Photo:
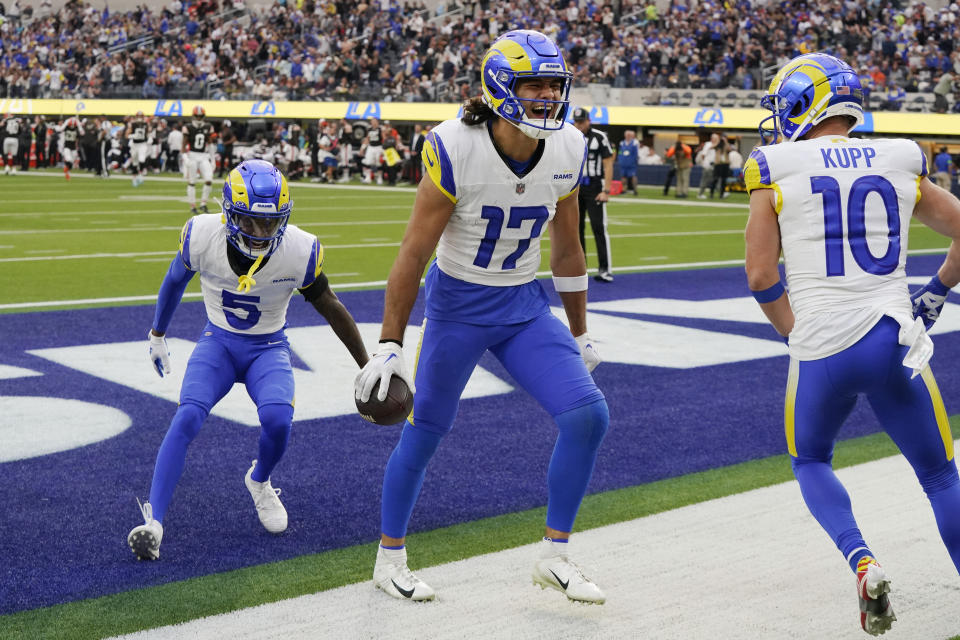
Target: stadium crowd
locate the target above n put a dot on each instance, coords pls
(393, 51)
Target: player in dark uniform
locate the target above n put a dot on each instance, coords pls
(137, 134)
(196, 136)
(70, 135)
(346, 149)
(40, 132)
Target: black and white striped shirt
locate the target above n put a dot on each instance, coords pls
(598, 148)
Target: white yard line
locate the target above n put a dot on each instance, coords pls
(753, 565)
(349, 285)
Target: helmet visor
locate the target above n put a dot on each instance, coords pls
(258, 231)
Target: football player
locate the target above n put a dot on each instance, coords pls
(197, 161)
(137, 134)
(69, 138)
(11, 141)
(250, 263)
(839, 209)
(499, 176)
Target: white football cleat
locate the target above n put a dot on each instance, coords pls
(144, 540)
(554, 569)
(876, 614)
(270, 510)
(392, 575)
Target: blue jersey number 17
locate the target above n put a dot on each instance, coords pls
(495, 217)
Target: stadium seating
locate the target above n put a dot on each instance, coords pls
(306, 50)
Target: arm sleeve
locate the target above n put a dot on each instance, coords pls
(315, 289)
(171, 291)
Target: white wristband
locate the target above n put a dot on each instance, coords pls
(564, 284)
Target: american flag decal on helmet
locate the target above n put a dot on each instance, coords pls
(521, 187)
(843, 91)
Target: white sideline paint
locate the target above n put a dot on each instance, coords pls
(754, 566)
(373, 283)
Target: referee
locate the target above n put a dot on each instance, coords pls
(595, 190)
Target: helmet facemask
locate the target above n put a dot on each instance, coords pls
(255, 232)
(526, 55)
(535, 117)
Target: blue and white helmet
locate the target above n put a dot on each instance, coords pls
(807, 90)
(256, 207)
(517, 55)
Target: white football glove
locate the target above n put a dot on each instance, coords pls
(387, 361)
(588, 351)
(159, 354)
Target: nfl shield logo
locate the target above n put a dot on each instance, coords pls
(521, 187)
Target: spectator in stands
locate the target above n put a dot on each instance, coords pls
(327, 50)
(943, 165)
(894, 98)
(943, 92)
(681, 158)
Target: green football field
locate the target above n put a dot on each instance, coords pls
(93, 242)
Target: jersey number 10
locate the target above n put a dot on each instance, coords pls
(856, 234)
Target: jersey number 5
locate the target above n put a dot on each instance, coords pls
(248, 304)
(494, 217)
(833, 234)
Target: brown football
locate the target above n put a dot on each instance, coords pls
(395, 407)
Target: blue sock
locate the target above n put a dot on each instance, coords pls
(403, 478)
(172, 455)
(275, 423)
(581, 432)
(829, 503)
(943, 489)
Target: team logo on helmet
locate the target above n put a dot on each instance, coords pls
(807, 90)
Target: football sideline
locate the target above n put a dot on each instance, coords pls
(694, 572)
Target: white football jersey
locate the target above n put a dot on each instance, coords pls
(493, 236)
(844, 207)
(263, 309)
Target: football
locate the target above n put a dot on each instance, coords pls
(393, 409)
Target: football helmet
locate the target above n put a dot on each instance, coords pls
(807, 90)
(199, 113)
(256, 207)
(513, 57)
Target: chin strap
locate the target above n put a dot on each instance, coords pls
(247, 281)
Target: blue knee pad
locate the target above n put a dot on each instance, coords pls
(581, 432)
(403, 478)
(275, 423)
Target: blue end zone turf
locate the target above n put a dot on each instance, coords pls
(66, 515)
